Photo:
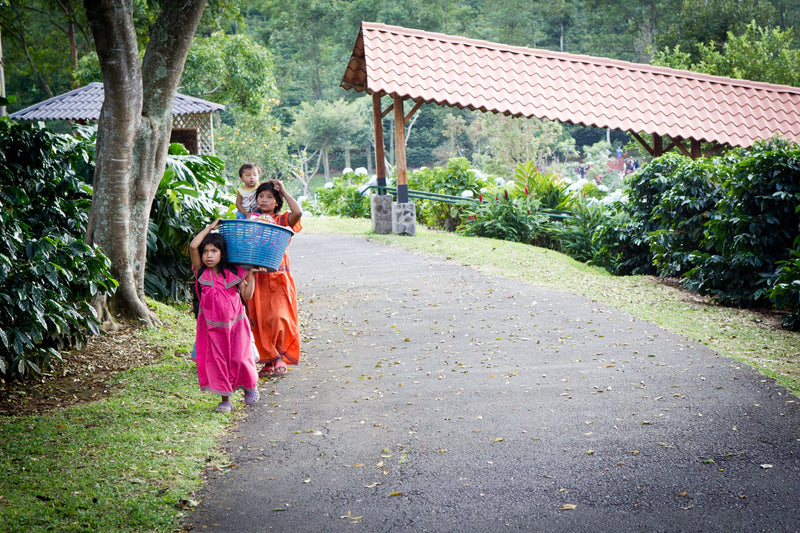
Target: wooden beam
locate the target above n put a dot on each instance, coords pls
(678, 143)
(400, 151)
(377, 125)
(713, 150)
(387, 110)
(413, 110)
(642, 142)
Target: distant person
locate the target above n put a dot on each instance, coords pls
(273, 309)
(619, 152)
(249, 174)
(225, 359)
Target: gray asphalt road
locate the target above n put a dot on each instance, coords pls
(434, 398)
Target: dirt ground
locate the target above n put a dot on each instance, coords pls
(84, 375)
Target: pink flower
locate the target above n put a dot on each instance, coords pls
(526, 191)
(506, 194)
(480, 198)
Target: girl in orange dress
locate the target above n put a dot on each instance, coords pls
(273, 309)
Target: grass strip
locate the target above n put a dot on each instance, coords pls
(129, 462)
(737, 333)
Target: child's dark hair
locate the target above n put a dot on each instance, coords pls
(247, 166)
(218, 241)
(269, 186)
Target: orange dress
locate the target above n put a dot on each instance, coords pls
(273, 310)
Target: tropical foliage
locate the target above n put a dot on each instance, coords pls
(48, 274)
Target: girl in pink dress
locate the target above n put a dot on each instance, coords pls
(225, 361)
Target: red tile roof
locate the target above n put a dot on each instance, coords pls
(578, 89)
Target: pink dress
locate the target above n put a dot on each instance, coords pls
(224, 357)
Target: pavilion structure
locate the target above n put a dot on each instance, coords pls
(663, 109)
(192, 118)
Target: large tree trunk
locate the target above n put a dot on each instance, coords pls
(133, 133)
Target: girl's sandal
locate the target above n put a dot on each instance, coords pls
(279, 368)
(267, 370)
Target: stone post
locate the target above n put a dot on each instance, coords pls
(380, 206)
(404, 218)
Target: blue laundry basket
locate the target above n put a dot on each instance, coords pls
(252, 242)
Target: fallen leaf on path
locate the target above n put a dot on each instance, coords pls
(567, 507)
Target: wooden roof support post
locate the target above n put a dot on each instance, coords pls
(380, 157)
(658, 145)
(400, 151)
(696, 153)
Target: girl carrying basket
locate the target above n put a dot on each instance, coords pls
(273, 309)
(225, 361)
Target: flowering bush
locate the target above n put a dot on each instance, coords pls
(454, 180)
(505, 217)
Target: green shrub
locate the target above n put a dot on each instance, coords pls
(754, 227)
(343, 197)
(48, 274)
(574, 234)
(785, 292)
(681, 213)
(620, 243)
(505, 217)
(623, 243)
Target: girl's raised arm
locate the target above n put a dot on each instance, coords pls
(194, 246)
(295, 210)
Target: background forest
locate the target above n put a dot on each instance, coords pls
(276, 66)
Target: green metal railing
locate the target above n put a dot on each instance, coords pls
(419, 194)
(552, 213)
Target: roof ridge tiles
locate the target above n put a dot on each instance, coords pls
(573, 58)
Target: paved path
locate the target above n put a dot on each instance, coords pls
(434, 398)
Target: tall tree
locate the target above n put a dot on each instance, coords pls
(758, 54)
(323, 126)
(44, 39)
(711, 20)
(133, 134)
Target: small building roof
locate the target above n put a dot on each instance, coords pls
(578, 89)
(84, 103)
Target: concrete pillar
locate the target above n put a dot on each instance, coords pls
(380, 206)
(404, 219)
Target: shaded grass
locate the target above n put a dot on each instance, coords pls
(129, 462)
(741, 334)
